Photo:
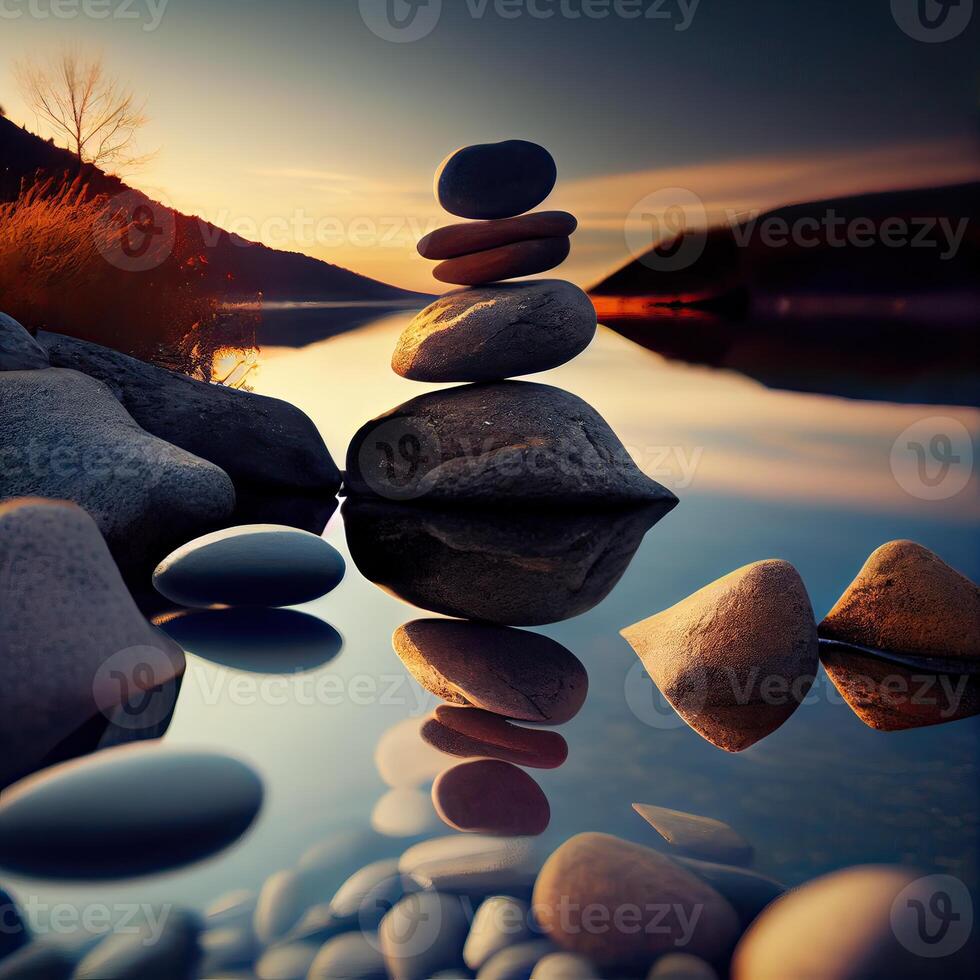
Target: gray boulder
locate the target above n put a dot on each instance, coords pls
(19, 351)
(65, 437)
(501, 443)
(253, 438)
(493, 332)
(73, 644)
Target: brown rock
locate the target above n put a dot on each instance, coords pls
(519, 568)
(487, 796)
(473, 732)
(506, 262)
(620, 904)
(696, 836)
(893, 697)
(509, 672)
(906, 599)
(479, 236)
(736, 658)
(856, 924)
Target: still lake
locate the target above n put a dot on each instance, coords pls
(760, 473)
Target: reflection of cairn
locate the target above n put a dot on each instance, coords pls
(497, 441)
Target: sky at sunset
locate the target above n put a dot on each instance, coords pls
(294, 123)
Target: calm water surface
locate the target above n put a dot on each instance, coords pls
(761, 474)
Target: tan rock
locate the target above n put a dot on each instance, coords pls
(736, 658)
(696, 836)
(906, 599)
(620, 904)
(854, 924)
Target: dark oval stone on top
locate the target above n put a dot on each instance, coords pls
(127, 812)
(495, 180)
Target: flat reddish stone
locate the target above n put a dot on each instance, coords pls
(472, 732)
(507, 262)
(510, 672)
(479, 236)
(488, 796)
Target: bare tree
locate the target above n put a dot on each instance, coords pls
(97, 115)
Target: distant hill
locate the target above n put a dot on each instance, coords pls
(734, 265)
(233, 265)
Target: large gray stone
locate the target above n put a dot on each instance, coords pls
(255, 439)
(73, 645)
(19, 351)
(66, 437)
(492, 332)
(423, 934)
(503, 443)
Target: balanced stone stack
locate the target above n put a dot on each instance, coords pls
(496, 440)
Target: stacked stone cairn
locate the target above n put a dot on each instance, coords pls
(496, 441)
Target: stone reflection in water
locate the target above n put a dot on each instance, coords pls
(517, 568)
(735, 659)
(513, 673)
(891, 696)
(488, 796)
(266, 641)
(472, 732)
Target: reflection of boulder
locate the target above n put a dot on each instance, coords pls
(257, 504)
(79, 666)
(520, 569)
(265, 641)
(892, 696)
(737, 658)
